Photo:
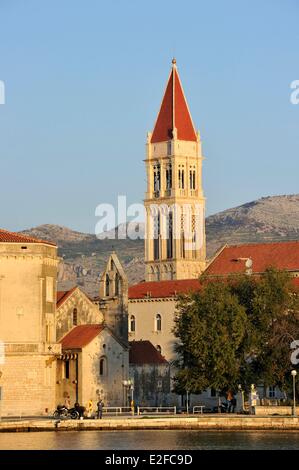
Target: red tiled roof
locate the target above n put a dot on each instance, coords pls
(174, 113)
(63, 295)
(160, 289)
(280, 255)
(143, 352)
(13, 237)
(80, 336)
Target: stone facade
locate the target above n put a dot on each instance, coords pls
(145, 312)
(152, 385)
(74, 308)
(28, 270)
(96, 370)
(150, 373)
(113, 297)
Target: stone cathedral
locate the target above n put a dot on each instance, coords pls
(174, 201)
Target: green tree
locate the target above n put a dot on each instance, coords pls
(210, 326)
(237, 330)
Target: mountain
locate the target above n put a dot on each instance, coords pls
(274, 218)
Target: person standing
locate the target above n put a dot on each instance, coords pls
(229, 399)
(100, 406)
(253, 399)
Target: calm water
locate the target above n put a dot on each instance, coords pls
(117, 440)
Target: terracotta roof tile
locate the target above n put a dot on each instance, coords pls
(13, 237)
(80, 336)
(174, 113)
(143, 352)
(160, 289)
(231, 260)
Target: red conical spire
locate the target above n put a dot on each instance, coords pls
(174, 112)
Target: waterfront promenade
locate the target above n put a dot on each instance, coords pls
(203, 422)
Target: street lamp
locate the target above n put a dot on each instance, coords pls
(294, 373)
(129, 384)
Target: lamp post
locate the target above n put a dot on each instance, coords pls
(129, 384)
(294, 373)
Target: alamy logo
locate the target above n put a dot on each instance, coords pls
(294, 98)
(2, 92)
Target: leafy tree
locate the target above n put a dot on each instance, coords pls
(237, 330)
(210, 326)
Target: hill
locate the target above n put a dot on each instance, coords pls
(274, 218)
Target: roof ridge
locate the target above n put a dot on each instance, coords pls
(278, 242)
(22, 238)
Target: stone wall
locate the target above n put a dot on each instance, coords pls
(110, 385)
(275, 410)
(28, 385)
(151, 384)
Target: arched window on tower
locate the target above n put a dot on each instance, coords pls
(170, 236)
(107, 285)
(75, 317)
(169, 176)
(158, 322)
(132, 328)
(157, 180)
(182, 241)
(194, 241)
(192, 178)
(181, 177)
(157, 236)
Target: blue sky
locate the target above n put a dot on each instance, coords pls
(84, 81)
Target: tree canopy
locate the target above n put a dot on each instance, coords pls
(236, 330)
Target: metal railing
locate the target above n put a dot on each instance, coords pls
(198, 409)
(117, 410)
(156, 410)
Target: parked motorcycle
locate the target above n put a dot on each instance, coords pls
(62, 412)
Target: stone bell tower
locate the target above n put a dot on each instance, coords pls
(113, 297)
(175, 244)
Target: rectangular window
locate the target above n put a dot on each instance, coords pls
(213, 393)
(49, 289)
(272, 392)
(67, 369)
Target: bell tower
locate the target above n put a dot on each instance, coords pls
(175, 245)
